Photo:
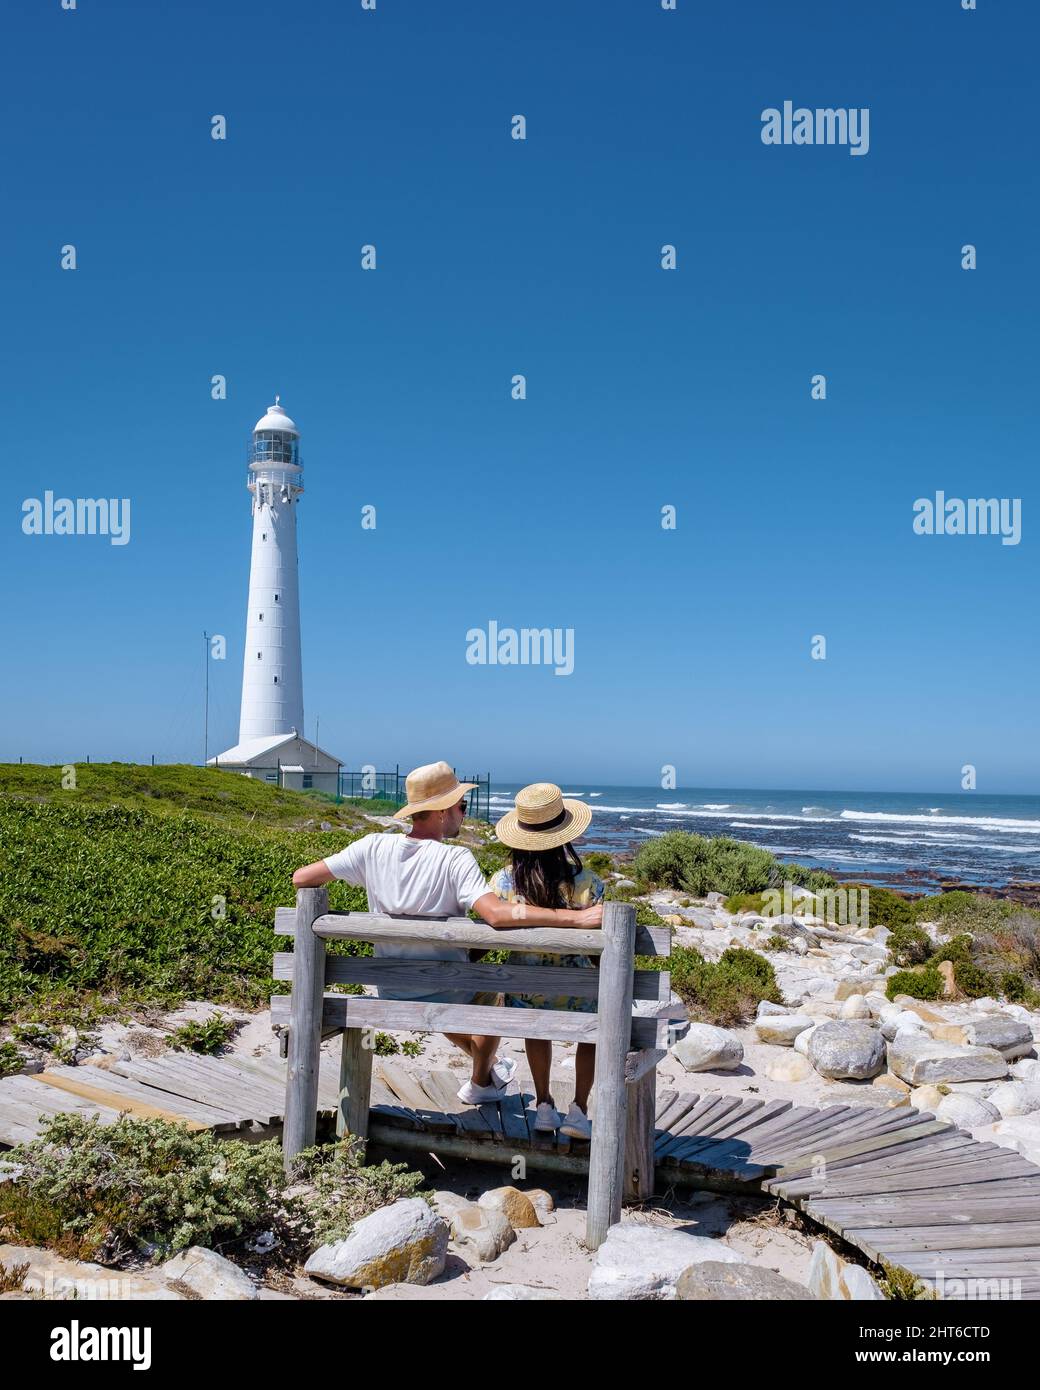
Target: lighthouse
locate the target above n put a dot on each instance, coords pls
(270, 744)
(272, 666)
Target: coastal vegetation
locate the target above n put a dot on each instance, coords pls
(697, 864)
(112, 1192)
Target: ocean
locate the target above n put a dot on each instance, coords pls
(899, 838)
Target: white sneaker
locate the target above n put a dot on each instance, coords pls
(577, 1125)
(472, 1094)
(547, 1118)
(503, 1069)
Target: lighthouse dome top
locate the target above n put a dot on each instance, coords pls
(275, 419)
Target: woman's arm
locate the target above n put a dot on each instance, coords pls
(498, 914)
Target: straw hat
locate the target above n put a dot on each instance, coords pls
(543, 819)
(432, 788)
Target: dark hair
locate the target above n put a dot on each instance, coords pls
(539, 875)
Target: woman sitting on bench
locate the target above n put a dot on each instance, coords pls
(545, 871)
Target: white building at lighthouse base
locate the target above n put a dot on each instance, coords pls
(285, 760)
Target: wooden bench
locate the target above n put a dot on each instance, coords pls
(629, 1042)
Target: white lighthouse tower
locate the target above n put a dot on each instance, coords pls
(270, 744)
(272, 667)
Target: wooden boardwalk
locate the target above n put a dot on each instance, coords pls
(895, 1183)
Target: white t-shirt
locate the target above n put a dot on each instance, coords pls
(415, 878)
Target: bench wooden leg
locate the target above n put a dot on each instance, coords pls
(639, 1137)
(355, 1085)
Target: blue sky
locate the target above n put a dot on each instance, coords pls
(645, 387)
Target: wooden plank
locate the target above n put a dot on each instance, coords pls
(46, 1100)
(304, 1015)
(435, 976)
(411, 1094)
(228, 1088)
(980, 1236)
(639, 1170)
(113, 1101)
(895, 1139)
(443, 1086)
(461, 931)
(355, 1086)
(929, 1179)
(681, 1104)
(840, 1130)
(357, 1011)
(736, 1141)
(466, 1146)
(637, 1064)
(176, 1083)
(876, 1176)
(615, 1034)
(514, 1119)
(209, 1116)
(703, 1124)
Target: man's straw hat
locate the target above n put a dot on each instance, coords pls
(432, 788)
(543, 819)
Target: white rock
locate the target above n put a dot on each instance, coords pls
(789, 1066)
(967, 1112)
(1009, 1036)
(1021, 1133)
(1015, 1098)
(486, 1231)
(893, 1019)
(831, 1277)
(707, 1048)
(405, 1242)
(765, 1007)
(801, 1042)
(781, 1029)
(847, 1049)
(918, 1060)
(1027, 1069)
(643, 1262)
(856, 1006)
(209, 1275)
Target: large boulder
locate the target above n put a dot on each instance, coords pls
(485, 1231)
(209, 1275)
(847, 1049)
(525, 1293)
(781, 1029)
(405, 1243)
(1022, 1133)
(713, 1282)
(919, 1060)
(831, 1277)
(707, 1048)
(515, 1206)
(645, 1262)
(1012, 1098)
(55, 1277)
(1009, 1036)
(967, 1112)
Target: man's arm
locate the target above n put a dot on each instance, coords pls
(498, 913)
(313, 875)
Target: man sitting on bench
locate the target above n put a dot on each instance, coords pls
(417, 875)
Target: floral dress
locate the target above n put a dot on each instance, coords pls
(586, 890)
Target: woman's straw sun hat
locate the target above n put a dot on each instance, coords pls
(432, 788)
(543, 819)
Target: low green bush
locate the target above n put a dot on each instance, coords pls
(207, 1037)
(972, 980)
(725, 992)
(958, 948)
(909, 945)
(919, 984)
(11, 1060)
(698, 865)
(599, 863)
(107, 1192)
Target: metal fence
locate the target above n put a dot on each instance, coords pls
(389, 786)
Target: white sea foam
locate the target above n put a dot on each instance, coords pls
(998, 823)
(671, 805)
(715, 805)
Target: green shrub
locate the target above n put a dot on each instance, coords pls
(1013, 986)
(816, 880)
(724, 992)
(919, 984)
(208, 1037)
(599, 863)
(777, 943)
(887, 909)
(97, 1191)
(11, 1060)
(957, 948)
(103, 1192)
(909, 945)
(972, 980)
(698, 866)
